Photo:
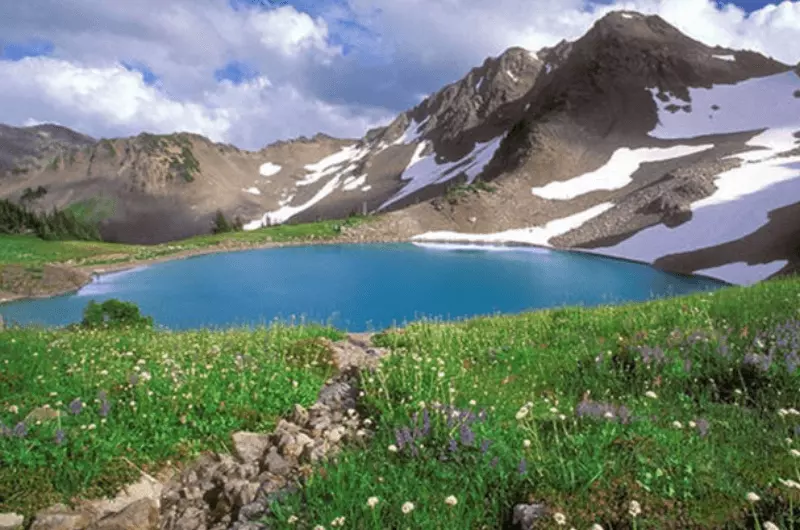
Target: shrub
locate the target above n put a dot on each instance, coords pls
(221, 224)
(114, 314)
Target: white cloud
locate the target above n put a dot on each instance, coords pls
(290, 32)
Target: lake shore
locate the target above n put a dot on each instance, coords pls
(81, 275)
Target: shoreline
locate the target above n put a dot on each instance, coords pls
(94, 271)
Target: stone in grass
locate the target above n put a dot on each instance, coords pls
(526, 515)
(10, 521)
(250, 446)
(140, 515)
(41, 414)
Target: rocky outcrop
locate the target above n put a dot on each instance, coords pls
(234, 491)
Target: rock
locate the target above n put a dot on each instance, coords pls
(276, 464)
(250, 446)
(41, 414)
(140, 515)
(526, 515)
(300, 415)
(336, 434)
(473, 220)
(10, 521)
(59, 517)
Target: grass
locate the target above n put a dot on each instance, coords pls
(131, 399)
(29, 250)
(683, 406)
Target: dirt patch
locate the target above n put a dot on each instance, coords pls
(18, 282)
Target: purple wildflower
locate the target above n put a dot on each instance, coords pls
(494, 461)
(20, 430)
(452, 445)
(59, 438)
(133, 379)
(105, 408)
(485, 446)
(522, 467)
(467, 436)
(650, 355)
(426, 423)
(75, 406)
(4, 431)
(399, 439)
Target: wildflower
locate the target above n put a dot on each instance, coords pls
(92, 426)
(608, 415)
(783, 412)
(473, 402)
(59, 437)
(319, 527)
(596, 527)
(13, 409)
(372, 502)
(526, 443)
(634, 508)
(392, 448)
(75, 406)
(20, 430)
(522, 413)
(769, 525)
(560, 518)
(440, 375)
(795, 453)
(752, 497)
(692, 425)
(408, 507)
(367, 422)
(553, 410)
(339, 521)
(451, 500)
(677, 424)
(522, 467)
(292, 519)
(790, 483)
(651, 394)
(295, 384)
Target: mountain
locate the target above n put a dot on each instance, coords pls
(633, 141)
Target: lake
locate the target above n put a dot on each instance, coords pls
(362, 287)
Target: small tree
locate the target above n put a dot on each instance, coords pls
(114, 314)
(220, 224)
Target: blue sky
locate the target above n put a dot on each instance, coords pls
(250, 72)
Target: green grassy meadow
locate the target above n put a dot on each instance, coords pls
(31, 251)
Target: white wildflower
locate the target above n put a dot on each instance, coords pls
(451, 500)
(292, 519)
(392, 448)
(526, 443)
(752, 497)
(372, 502)
(560, 518)
(634, 508)
(522, 413)
(408, 507)
(651, 394)
(795, 453)
(677, 424)
(769, 525)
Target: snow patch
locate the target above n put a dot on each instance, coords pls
(478, 84)
(627, 15)
(547, 68)
(764, 102)
(740, 273)
(286, 212)
(538, 235)
(352, 183)
(253, 191)
(412, 132)
(512, 76)
(616, 173)
(268, 169)
(366, 188)
(423, 171)
(725, 57)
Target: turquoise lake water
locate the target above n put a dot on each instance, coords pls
(362, 287)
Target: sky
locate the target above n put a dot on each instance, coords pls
(250, 72)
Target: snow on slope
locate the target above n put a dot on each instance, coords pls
(268, 169)
(745, 195)
(286, 212)
(252, 191)
(747, 106)
(352, 183)
(332, 164)
(724, 57)
(537, 235)
(616, 173)
(412, 132)
(423, 171)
